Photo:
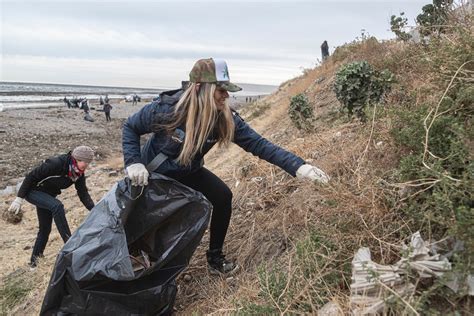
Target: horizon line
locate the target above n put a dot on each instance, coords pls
(106, 86)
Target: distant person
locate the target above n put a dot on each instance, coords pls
(324, 50)
(134, 99)
(44, 183)
(106, 99)
(101, 100)
(186, 124)
(80, 103)
(107, 108)
(66, 102)
(85, 105)
(85, 108)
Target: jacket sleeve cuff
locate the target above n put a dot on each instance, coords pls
(296, 166)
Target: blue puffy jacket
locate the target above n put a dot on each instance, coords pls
(142, 123)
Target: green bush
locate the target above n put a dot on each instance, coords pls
(301, 112)
(358, 85)
(437, 198)
(465, 99)
(434, 17)
(397, 26)
(446, 140)
(442, 203)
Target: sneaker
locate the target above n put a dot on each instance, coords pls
(218, 264)
(33, 265)
(34, 261)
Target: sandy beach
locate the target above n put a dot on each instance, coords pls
(30, 136)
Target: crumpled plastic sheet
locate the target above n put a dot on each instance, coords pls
(373, 283)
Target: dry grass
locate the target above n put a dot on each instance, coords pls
(272, 212)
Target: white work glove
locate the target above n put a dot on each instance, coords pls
(138, 174)
(312, 173)
(15, 207)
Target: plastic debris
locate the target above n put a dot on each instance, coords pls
(373, 284)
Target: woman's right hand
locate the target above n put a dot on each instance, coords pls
(15, 207)
(138, 174)
(312, 173)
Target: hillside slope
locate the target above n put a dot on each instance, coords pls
(273, 212)
(295, 240)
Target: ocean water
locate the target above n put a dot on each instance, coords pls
(20, 95)
(16, 95)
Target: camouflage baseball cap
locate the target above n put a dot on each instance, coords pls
(213, 71)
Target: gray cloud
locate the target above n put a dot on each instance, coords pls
(281, 34)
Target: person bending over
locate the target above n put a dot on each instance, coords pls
(185, 124)
(44, 183)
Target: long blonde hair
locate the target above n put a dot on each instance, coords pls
(197, 109)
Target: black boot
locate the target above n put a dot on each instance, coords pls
(34, 261)
(218, 263)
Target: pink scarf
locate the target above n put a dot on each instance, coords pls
(74, 172)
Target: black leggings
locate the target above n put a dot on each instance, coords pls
(219, 194)
(48, 208)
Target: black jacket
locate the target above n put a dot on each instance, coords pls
(52, 176)
(107, 107)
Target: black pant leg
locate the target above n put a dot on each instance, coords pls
(220, 196)
(55, 207)
(45, 220)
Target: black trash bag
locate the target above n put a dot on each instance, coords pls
(93, 274)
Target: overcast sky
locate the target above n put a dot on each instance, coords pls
(155, 43)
